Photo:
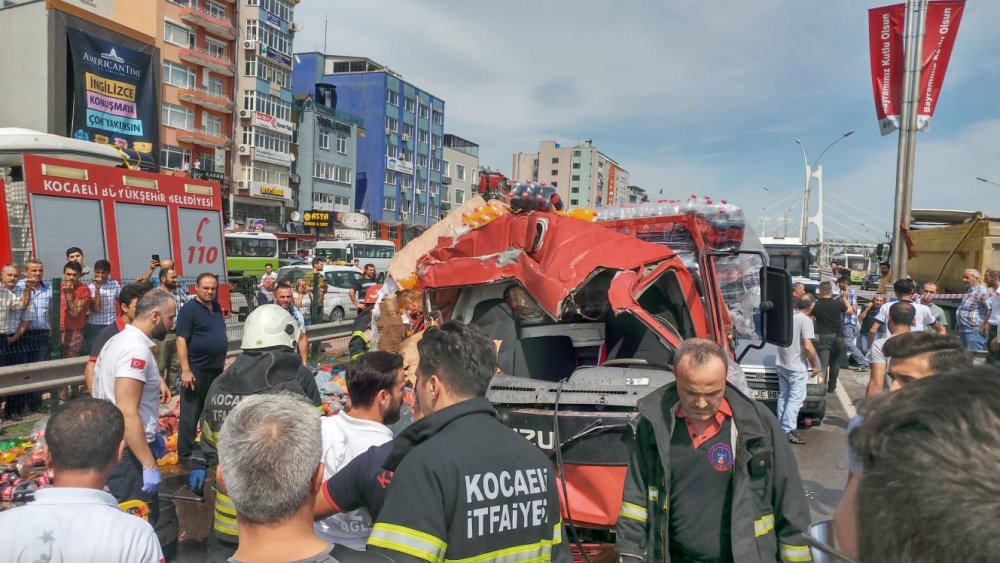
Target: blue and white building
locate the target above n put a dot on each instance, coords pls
(399, 160)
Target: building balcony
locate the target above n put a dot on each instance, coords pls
(201, 57)
(204, 138)
(206, 99)
(211, 23)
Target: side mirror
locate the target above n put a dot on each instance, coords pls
(776, 306)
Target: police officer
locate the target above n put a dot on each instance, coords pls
(269, 364)
(465, 486)
(712, 477)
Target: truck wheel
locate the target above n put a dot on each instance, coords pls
(337, 315)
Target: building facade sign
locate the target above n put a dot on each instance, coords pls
(274, 157)
(316, 218)
(273, 123)
(399, 165)
(270, 191)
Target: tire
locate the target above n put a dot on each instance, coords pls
(336, 315)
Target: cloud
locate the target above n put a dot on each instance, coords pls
(703, 98)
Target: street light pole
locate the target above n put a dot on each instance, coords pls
(987, 181)
(814, 170)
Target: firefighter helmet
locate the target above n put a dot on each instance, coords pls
(270, 325)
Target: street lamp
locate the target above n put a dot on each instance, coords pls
(814, 170)
(980, 179)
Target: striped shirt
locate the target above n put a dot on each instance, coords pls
(109, 300)
(974, 310)
(10, 310)
(37, 313)
(852, 318)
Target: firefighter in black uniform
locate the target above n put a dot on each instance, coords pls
(465, 485)
(269, 364)
(712, 477)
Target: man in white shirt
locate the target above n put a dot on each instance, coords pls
(126, 374)
(901, 314)
(793, 363)
(905, 288)
(75, 520)
(375, 383)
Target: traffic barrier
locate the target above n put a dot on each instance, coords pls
(869, 294)
(41, 376)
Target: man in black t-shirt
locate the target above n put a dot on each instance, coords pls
(828, 312)
(359, 288)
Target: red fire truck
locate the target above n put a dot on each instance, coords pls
(115, 213)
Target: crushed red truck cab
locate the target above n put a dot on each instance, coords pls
(587, 319)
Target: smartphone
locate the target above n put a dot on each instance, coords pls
(156, 257)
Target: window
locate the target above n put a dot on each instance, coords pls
(213, 125)
(406, 181)
(342, 174)
(410, 105)
(576, 166)
(389, 204)
(446, 168)
(215, 86)
(177, 117)
(390, 177)
(174, 157)
(444, 194)
(392, 124)
(436, 164)
(280, 8)
(216, 48)
(215, 9)
(332, 172)
(574, 190)
(266, 139)
(207, 162)
(324, 140)
(576, 153)
(435, 187)
(266, 70)
(178, 35)
(425, 111)
(406, 207)
(575, 178)
(272, 38)
(555, 160)
(392, 97)
(405, 154)
(438, 117)
(554, 184)
(422, 160)
(459, 196)
(554, 172)
(342, 144)
(178, 75)
(422, 135)
(390, 150)
(408, 129)
(267, 173)
(421, 208)
(266, 103)
(436, 141)
(460, 172)
(574, 202)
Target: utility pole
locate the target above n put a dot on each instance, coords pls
(916, 16)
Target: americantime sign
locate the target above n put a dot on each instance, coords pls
(885, 41)
(114, 94)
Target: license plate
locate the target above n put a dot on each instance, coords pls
(765, 395)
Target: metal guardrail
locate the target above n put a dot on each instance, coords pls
(40, 376)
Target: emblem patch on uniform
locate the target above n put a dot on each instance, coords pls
(721, 457)
(138, 363)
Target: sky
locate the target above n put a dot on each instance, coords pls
(703, 98)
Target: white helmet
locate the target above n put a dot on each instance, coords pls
(269, 325)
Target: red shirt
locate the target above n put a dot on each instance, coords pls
(720, 418)
(68, 322)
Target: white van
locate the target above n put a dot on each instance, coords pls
(376, 252)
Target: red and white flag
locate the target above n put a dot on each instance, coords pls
(885, 45)
(939, 39)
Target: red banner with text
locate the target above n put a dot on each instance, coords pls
(939, 40)
(885, 43)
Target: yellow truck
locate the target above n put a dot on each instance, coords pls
(949, 242)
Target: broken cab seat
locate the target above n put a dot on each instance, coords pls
(546, 358)
(494, 318)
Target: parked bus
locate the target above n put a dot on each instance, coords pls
(858, 264)
(377, 252)
(247, 253)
